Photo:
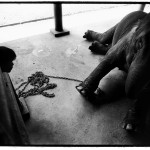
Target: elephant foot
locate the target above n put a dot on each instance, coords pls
(91, 35)
(132, 121)
(98, 48)
(97, 97)
(84, 91)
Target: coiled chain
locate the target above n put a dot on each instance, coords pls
(41, 84)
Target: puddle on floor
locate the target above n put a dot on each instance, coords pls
(72, 51)
(41, 52)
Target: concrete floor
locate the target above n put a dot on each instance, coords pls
(68, 118)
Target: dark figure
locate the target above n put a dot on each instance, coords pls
(127, 46)
(7, 56)
(12, 129)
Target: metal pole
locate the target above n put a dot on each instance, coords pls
(142, 6)
(58, 31)
(58, 17)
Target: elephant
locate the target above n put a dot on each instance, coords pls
(125, 46)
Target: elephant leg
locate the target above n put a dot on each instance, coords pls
(111, 86)
(135, 118)
(104, 38)
(99, 48)
(90, 84)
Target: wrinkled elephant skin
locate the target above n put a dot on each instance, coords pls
(127, 46)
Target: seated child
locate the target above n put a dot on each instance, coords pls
(7, 56)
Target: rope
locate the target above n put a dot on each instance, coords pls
(65, 78)
(41, 84)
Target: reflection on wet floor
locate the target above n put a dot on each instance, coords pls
(41, 52)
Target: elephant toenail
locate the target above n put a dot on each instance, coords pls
(79, 87)
(83, 92)
(90, 47)
(123, 125)
(129, 127)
